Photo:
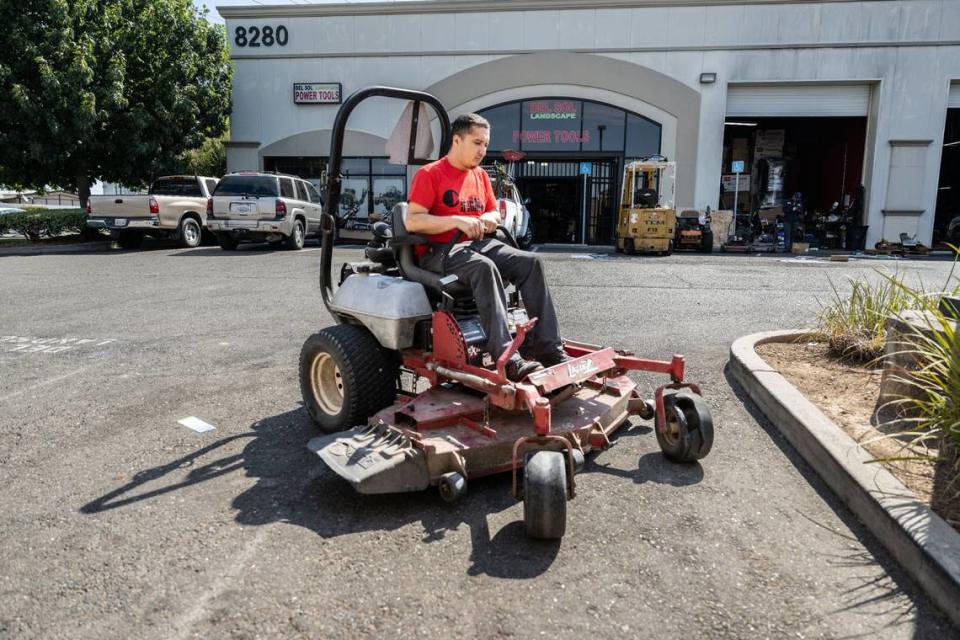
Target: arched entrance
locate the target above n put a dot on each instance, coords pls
(574, 150)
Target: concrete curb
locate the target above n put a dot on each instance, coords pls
(34, 250)
(922, 542)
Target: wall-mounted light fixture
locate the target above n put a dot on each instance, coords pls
(708, 78)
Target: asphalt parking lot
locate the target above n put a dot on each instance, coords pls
(120, 522)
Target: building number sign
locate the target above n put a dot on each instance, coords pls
(260, 36)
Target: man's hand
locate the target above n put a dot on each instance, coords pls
(490, 221)
(472, 227)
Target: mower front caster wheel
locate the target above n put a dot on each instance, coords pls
(545, 495)
(452, 486)
(688, 428)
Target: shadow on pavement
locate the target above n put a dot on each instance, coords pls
(292, 485)
(863, 550)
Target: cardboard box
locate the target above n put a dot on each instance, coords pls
(800, 247)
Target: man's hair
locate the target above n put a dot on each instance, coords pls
(464, 123)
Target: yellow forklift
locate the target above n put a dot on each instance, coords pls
(648, 218)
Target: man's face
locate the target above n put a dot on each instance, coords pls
(472, 147)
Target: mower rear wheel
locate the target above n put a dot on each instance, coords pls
(545, 495)
(688, 432)
(345, 377)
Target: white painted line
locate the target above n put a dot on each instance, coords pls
(183, 626)
(196, 424)
(47, 382)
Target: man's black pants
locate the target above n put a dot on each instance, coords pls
(484, 265)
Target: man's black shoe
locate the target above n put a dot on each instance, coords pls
(555, 357)
(517, 368)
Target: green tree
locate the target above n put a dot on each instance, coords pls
(109, 89)
(209, 159)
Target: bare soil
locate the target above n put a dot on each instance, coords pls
(847, 394)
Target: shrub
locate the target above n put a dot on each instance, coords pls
(35, 223)
(935, 401)
(855, 325)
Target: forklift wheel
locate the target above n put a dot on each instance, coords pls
(689, 428)
(545, 495)
(628, 246)
(345, 377)
(706, 242)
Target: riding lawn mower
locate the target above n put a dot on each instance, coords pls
(409, 398)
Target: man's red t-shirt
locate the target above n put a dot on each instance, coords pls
(444, 190)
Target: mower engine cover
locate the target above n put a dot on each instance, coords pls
(389, 307)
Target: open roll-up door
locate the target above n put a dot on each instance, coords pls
(798, 100)
(953, 102)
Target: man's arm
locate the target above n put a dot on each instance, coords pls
(419, 220)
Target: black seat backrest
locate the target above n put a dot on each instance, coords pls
(403, 243)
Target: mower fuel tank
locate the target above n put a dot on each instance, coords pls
(374, 459)
(389, 307)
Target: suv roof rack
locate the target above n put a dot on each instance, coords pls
(270, 173)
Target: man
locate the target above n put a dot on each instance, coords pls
(454, 194)
(793, 212)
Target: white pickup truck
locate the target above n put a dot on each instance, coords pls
(514, 215)
(175, 207)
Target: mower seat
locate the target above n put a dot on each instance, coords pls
(403, 242)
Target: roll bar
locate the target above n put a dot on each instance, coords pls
(334, 181)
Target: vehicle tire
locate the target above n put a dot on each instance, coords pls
(227, 242)
(294, 241)
(545, 495)
(345, 377)
(526, 240)
(189, 235)
(628, 247)
(130, 240)
(689, 428)
(706, 242)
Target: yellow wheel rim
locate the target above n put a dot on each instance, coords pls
(327, 384)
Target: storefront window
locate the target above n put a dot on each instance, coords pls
(566, 124)
(550, 125)
(603, 127)
(504, 126)
(387, 193)
(353, 197)
(643, 137)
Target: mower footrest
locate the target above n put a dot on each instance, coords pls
(374, 459)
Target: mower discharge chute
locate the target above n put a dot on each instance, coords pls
(409, 398)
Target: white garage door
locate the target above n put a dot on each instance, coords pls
(954, 101)
(798, 100)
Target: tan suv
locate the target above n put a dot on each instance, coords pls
(263, 207)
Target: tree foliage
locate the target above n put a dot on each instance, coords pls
(108, 89)
(209, 159)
